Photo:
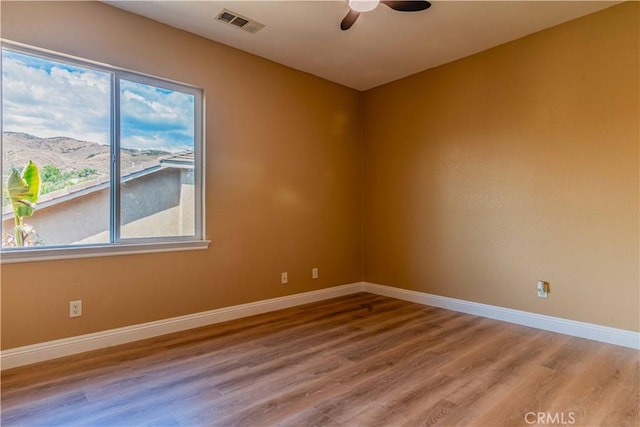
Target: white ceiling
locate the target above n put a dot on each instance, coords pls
(382, 46)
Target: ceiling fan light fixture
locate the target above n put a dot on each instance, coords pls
(363, 5)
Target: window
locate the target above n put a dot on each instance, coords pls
(119, 156)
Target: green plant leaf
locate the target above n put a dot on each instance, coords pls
(24, 190)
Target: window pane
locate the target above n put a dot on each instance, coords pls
(157, 141)
(58, 116)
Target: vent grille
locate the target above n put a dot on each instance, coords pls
(239, 21)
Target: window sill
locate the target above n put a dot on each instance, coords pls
(53, 254)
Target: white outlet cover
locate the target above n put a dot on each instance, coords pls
(75, 308)
(542, 289)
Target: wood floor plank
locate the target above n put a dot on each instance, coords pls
(358, 360)
(594, 395)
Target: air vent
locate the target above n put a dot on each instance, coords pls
(239, 21)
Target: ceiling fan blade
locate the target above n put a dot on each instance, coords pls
(407, 6)
(348, 20)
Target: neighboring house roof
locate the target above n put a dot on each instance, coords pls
(182, 160)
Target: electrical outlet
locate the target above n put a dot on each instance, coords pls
(75, 308)
(284, 278)
(543, 289)
(314, 273)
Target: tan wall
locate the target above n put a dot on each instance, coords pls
(481, 177)
(282, 184)
(516, 164)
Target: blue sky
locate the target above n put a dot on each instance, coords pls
(48, 99)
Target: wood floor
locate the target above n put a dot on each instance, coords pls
(359, 360)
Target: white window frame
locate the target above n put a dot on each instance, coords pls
(118, 245)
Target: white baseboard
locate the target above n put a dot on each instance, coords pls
(67, 346)
(575, 328)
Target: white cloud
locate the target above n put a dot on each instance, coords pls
(46, 99)
(56, 103)
(156, 118)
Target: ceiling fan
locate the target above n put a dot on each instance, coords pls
(356, 7)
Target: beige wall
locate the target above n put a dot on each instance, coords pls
(282, 184)
(516, 164)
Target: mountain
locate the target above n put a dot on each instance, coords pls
(67, 154)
